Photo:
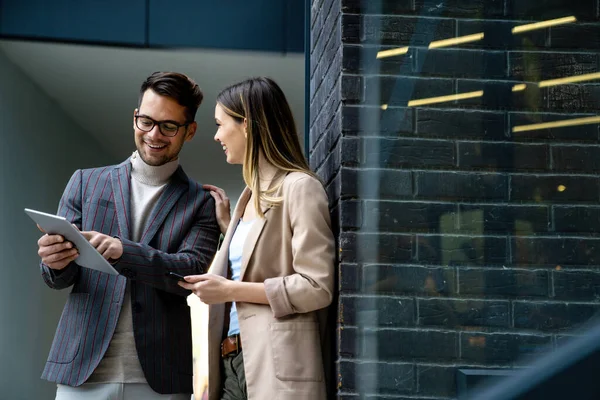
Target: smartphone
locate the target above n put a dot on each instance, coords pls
(175, 276)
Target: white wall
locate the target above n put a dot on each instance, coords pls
(40, 149)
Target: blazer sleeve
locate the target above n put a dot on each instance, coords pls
(146, 264)
(310, 287)
(70, 208)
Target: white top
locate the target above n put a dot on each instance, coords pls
(236, 249)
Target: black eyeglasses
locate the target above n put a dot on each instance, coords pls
(167, 128)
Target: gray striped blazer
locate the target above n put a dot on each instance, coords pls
(181, 235)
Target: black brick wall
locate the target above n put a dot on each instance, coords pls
(457, 247)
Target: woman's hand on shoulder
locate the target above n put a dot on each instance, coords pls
(222, 204)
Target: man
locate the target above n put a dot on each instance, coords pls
(129, 336)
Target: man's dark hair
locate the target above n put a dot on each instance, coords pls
(177, 86)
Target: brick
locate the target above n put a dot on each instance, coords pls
(382, 7)
(536, 66)
(325, 145)
(503, 218)
(398, 91)
(498, 95)
(461, 250)
(326, 39)
(460, 185)
(331, 165)
(463, 313)
(514, 156)
(550, 316)
(325, 113)
(573, 133)
(379, 184)
(574, 219)
(550, 9)
(461, 8)
(334, 212)
(576, 285)
(552, 251)
(501, 348)
(436, 380)
(574, 98)
(324, 75)
(463, 124)
(562, 340)
(498, 35)
(573, 36)
(547, 188)
(463, 63)
(315, 12)
(388, 216)
(352, 88)
(403, 153)
(371, 121)
(576, 158)
(349, 342)
(377, 311)
(351, 153)
(503, 282)
(351, 214)
(349, 278)
(334, 188)
(392, 378)
(351, 28)
(376, 248)
(403, 345)
(418, 280)
(400, 30)
(363, 60)
(424, 8)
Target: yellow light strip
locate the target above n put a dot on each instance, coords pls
(519, 87)
(392, 52)
(454, 41)
(543, 24)
(570, 79)
(443, 99)
(557, 124)
(384, 107)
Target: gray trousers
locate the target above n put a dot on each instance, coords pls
(114, 391)
(234, 378)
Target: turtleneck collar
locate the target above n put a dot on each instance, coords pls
(151, 175)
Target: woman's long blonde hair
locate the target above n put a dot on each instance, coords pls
(271, 131)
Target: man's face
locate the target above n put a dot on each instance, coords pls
(155, 148)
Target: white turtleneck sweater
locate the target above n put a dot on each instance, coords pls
(121, 363)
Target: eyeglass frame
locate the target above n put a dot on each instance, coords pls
(158, 123)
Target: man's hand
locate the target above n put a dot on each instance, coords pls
(210, 288)
(223, 206)
(56, 252)
(111, 248)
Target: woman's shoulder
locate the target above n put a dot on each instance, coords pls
(297, 183)
(295, 179)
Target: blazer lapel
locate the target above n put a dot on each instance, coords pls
(176, 187)
(120, 181)
(252, 238)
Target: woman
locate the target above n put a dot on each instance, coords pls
(267, 321)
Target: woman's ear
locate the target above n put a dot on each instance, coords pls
(245, 128)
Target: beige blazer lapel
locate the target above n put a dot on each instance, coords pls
(252, 238)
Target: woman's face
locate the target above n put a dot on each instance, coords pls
(231, 135)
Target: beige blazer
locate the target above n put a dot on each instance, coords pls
(292, 251)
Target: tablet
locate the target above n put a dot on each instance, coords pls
(88, 255)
